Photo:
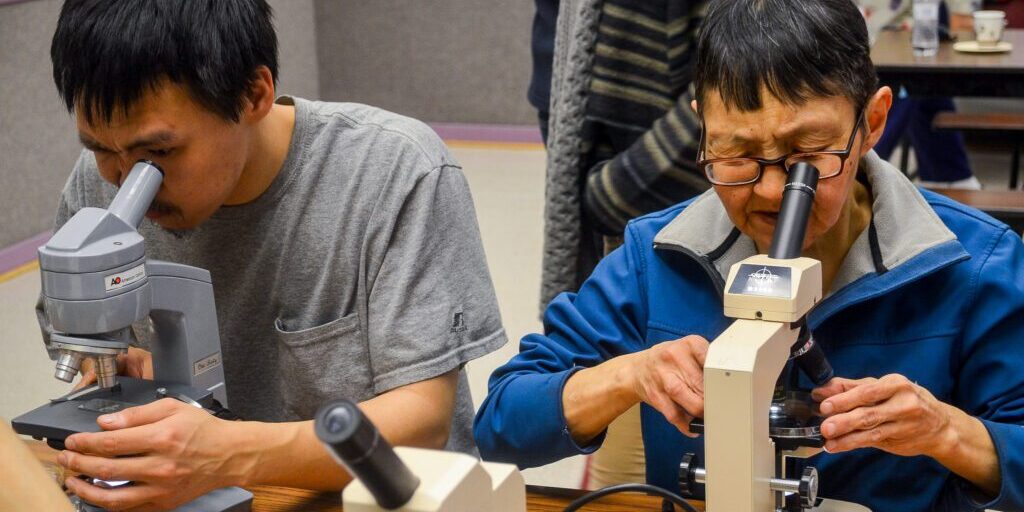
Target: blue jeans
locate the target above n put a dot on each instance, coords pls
(941, 155)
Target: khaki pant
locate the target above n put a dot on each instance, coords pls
(621, 458)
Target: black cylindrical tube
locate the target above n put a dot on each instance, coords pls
(797, 199)
(810, 358)
(358, 445)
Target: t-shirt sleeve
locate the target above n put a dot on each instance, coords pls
(432, 305)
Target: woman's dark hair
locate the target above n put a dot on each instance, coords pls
(795, 49)
(107, 53)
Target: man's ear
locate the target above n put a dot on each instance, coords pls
(259, 99)
(693, 105)
(876, 115)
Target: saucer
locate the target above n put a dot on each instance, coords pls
(975, 47)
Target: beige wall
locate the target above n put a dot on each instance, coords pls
(462, 61)
(37, 137)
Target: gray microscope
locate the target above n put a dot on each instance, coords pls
(96, 283)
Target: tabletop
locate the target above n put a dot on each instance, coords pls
(286, 499)
(892, 51)
(950, 72)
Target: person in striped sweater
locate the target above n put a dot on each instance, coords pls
(637, 147)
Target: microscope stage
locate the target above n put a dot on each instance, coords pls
(75, 413)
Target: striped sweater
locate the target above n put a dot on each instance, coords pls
(640, 134)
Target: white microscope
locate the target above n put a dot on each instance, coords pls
(751, 425)
(412, 479)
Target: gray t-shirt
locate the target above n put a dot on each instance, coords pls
(359, 270)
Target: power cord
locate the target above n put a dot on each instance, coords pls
(669, 497)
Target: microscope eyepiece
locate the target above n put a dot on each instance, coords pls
(797, 200)
(358, 445)
(137, 192)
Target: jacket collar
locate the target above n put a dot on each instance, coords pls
(906, 238)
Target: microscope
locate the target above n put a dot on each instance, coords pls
(412, 479)
(753, 419)
(96, 283)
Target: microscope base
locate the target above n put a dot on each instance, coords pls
(228, 499)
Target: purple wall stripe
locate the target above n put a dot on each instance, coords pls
(21, 252)
(488, 132)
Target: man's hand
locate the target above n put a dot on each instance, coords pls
(136, 363)
(891, 414)
(670, 377)
(173, 453)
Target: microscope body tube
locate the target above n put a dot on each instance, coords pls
(357, 444)
(137, 192)
(788, 243)
(797, 200)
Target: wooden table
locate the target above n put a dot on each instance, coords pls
(539, 499)
(950, 73)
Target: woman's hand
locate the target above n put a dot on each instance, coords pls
(670, 377)
(891, 414)
(898, 416)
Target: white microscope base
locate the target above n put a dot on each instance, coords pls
(449, 482)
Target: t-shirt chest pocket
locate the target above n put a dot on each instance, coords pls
(319, 363)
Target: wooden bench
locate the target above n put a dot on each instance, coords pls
(999, 128)
(1005, 205)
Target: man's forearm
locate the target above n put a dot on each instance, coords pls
(290, 455)
(284, 454)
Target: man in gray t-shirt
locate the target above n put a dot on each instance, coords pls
(343, 247)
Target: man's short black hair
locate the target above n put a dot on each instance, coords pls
(796, 49)
(107, 53)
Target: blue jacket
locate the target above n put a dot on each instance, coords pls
(933, 290)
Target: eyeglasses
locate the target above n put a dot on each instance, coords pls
(746, 170)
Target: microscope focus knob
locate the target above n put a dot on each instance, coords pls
(808, 488)
(690, 475)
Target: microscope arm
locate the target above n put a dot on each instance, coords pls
(187, 348)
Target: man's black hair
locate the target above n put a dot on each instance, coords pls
(796, 49)
(107, 53)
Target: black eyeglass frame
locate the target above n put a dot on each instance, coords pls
(762, 162)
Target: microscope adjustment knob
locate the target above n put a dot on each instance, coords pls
(688, 470)
(808, 488)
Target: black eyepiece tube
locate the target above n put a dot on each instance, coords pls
(810, 358)
(358, 445)
(797, 199)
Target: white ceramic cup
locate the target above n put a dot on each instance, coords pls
(988, 27)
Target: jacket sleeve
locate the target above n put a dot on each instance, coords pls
(991, 382)
(521, 420)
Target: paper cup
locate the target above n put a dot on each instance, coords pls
(988, 27)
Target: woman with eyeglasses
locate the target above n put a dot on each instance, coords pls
(923, 309)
